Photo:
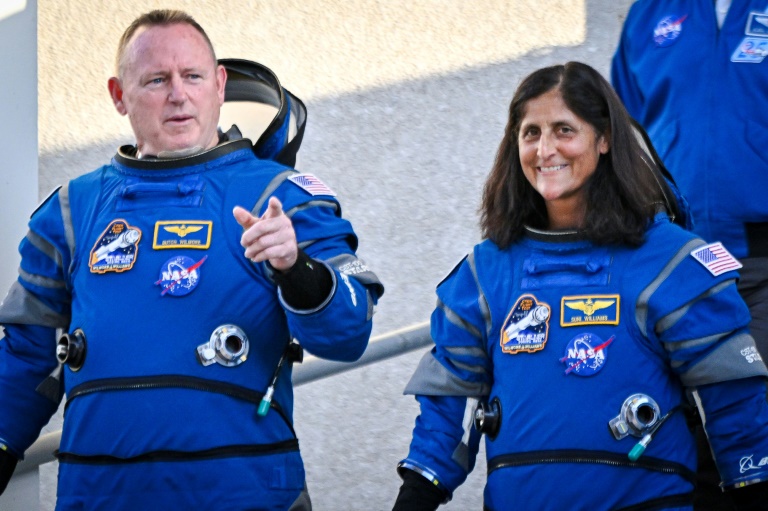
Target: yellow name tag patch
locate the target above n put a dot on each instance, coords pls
(589, 310)
(182, 234)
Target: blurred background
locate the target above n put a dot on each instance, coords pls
(407, 102)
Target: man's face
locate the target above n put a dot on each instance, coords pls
(171, 90)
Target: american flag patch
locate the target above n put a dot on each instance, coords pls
(716, 258)
(311, 184)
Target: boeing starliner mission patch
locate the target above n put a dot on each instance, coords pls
(667, 30)
(311, 184)
(526, 328)
(715, 258)
(179, 275)
(589, 309)
(116, 249)
(585, 354)
(182, 234)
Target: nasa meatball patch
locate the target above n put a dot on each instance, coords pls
(527, 326)
(585, 354)
(116, 249)
(179, 275)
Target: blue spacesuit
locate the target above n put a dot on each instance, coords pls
(173, 336)
(586, 354)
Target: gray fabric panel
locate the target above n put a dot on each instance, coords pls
(458, 321)
(673, 317)
(467, 351)
(672, 347)
(41, 281)
(269, 190)
(43, 246)
(431, 378)
(485, 310)
(304, 244)
(20, 306)
(302, 503)
(461, 456)
(472, 368)
(731, 361)
(370, 306)
(313, 204)
(351, 266)
(641, 308)
(66, 217)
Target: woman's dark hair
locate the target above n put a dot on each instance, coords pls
(623, 194)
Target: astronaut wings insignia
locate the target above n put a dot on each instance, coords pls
(589, 307)
(182, 234)
(596, 310)
(182, 230)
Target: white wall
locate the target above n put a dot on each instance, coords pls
(18, 129)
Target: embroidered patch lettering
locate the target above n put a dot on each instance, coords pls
(589, 309)
(179, 276)
(116, 249)
(182, 234)
(585, 354)
(311, 184)
(716, 258)
(526, 328)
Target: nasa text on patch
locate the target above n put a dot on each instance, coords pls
(116, 248)
(527, 326)
(179, 275)
(585, 354)
(182, 234)
(589, 309)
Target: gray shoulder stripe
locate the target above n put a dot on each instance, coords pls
(22, 307)
(313, 204)
(485, 310)
(45, 247)
(467, 351)
(673, 317)
(672, 347)
(472, 368)
(37, 280)
(270, 189)
(431, 378)
(458, 321)
(641, 308)
(733, 360)
(66, 217)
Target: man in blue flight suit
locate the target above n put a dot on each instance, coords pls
(692, 73)
(180, 278)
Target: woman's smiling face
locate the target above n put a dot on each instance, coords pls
(559, 152)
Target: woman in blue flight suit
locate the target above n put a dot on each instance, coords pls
(582, 324)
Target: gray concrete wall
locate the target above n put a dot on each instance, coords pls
(407, 102)
(18, 129)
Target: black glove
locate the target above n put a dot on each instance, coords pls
(7, 465)
(417, 494)
(751, 498)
